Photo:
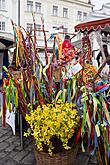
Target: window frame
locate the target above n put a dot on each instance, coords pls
(29, 27)
(84, 16)
(29, 6)
(65, 12)
(55, 10)
(79, 16)
(39, 28)
(38, 6)
(2, 26)
(2, 4)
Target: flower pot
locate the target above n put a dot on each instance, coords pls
(64, 158)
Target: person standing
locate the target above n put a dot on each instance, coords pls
(66, 45)
(106, 54)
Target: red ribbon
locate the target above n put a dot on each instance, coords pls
(4, 110)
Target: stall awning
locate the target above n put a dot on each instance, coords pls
(93, 25)
(6, 40)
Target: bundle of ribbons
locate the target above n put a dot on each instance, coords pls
(37, 86)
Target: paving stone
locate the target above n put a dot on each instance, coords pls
(1, 135)
(10, 148)
(13, 138)
(17, 142)
(12, 154)
(29, 159)
(1, 162)
(3, 154)
(18, 148)
(20, 155)
(28, 148)
(11, 162)
(3, 132)
(27, 141)
(3, 145)
(9, 133)
(4, 159)
(82, 159)
(15, 145)
(3, 138)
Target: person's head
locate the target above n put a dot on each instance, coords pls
(105, 47)
(67, 37)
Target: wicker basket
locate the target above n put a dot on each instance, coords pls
(66, 158)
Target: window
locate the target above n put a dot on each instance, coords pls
(38, 7)
(84, 15)
(65, 12)
(79, 15)
(55, 10)
(2, 4)
(29, 6)
(29, 27)
(2, 26)
(38, 28)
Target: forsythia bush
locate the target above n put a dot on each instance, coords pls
(59, 119)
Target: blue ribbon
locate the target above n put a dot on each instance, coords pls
(69, 92)
(37, 72)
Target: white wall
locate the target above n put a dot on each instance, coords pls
(1, 63)
(47, 9)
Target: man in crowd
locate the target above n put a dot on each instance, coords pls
(66, 45)
(105, 50)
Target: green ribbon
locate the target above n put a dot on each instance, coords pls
(84, 117)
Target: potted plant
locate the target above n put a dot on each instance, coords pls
(53, 127)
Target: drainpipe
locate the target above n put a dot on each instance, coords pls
(18, 12)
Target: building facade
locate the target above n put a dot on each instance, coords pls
(59, 13)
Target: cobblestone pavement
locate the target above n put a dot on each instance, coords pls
(11, 152)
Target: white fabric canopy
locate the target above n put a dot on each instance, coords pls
(2, 46)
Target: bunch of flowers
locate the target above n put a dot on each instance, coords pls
(53, 121)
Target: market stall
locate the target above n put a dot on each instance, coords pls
(98, 32)
(64, 94)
